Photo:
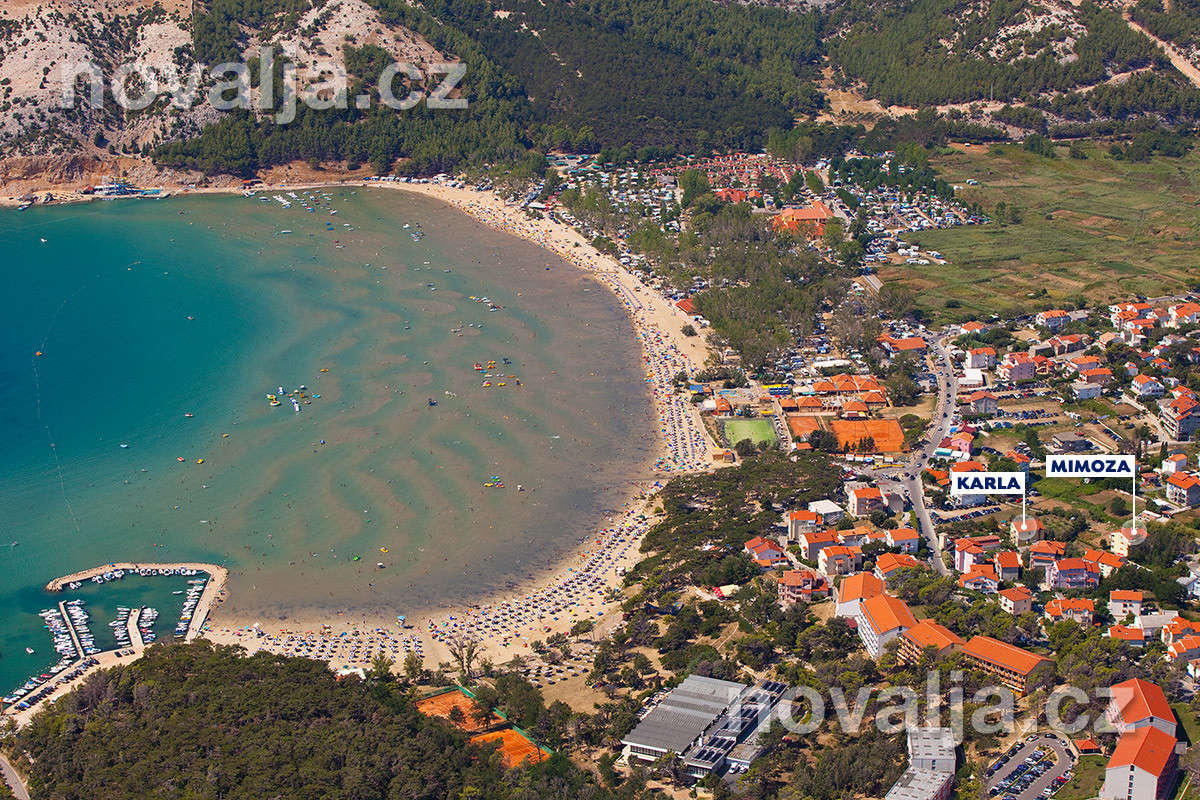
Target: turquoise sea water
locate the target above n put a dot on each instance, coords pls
(146, 312)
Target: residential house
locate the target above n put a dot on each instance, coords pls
(887, 564)
(1183, 489)
(1044, 553)
(839, 560)
(831, 513)
(801, 585)
(1017, 600)
(907, 540)
(1027, 531)
(1138, 704)
(812, 543)
(983, 403)
(765, 553)
(1180, 417)
(881, 619)
(865, 501)
(1123, 602)
(800, 522)
(1184, 648)
(981, 578)
(1176, 462)
(1182, 314)
(1154, 624)
(1054, 319)
(981, 358)
(1144, 386)
(972, 550)
(1017, 367)
(1106, 562)
(1128, 634)
(1071, 442)
(853, 590)
(1142, 766)
(1072, 573)
(1127, 538)
(1177, 629)
(1008, 565)
(1078, 609)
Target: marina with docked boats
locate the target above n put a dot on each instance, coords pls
(79, 650)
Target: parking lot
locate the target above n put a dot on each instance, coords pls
(1034, 768)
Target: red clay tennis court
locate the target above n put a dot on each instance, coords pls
(888, 436)
(440, 704)
(514, 748)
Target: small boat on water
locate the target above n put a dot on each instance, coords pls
(29, 650)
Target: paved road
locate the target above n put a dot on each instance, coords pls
(1063, 760)
(939, 428)
(10, 777)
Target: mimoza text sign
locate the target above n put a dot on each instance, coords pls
(1090, 466)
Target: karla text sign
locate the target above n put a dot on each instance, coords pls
(987, 483)
(1090, 466)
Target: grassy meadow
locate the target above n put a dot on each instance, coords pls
(1089, 231)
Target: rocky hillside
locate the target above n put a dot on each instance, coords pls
(40, 41)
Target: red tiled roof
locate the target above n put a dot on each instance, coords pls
(859, 586)
(886, 613)
(928, 633)
(1137, 699)
(994, 651)
(1147, 748)
(1125, 595)
(1126, 633)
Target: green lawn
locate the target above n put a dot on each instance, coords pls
(1086, 781)
(759, 431)
(1094, 230)
(1191, 726)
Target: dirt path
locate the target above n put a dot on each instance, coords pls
(1177, 60)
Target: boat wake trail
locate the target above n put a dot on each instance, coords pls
(37, 391)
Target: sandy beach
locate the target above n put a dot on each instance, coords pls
(576, 588)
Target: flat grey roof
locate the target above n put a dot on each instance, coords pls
(684, 714)
(917, 784)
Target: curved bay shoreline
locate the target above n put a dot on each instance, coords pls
(577, 587)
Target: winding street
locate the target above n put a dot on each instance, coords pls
(12, 779)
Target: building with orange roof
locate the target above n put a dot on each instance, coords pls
(809, 221)
(1008, 565)
(801, 585)
(1106, 562)
(1045, 553)
(853, 590)
(1180, 418)
(972, 550)
(839, 560)
(1177, 629)
(1078, 609)
(865, 500)
(981, 578)
(1128, 537)
(881, 619)
(1072, 573)
(897, 345)
(1017, 600)
(983, 403)
(1184, 648)
(802, 521)
(765, 553)
(1137, 704)
(1183, 489)
(981, 358)
(915, 641)
(854, 409)
(1123, 602)
(907, 540)
(1128, 634)
(813, 542)
(1182, 314)
(1053, 319)
(1013, 666)
(886, 564)
(1086, 747)
(1027, 531)
(1142, 766)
